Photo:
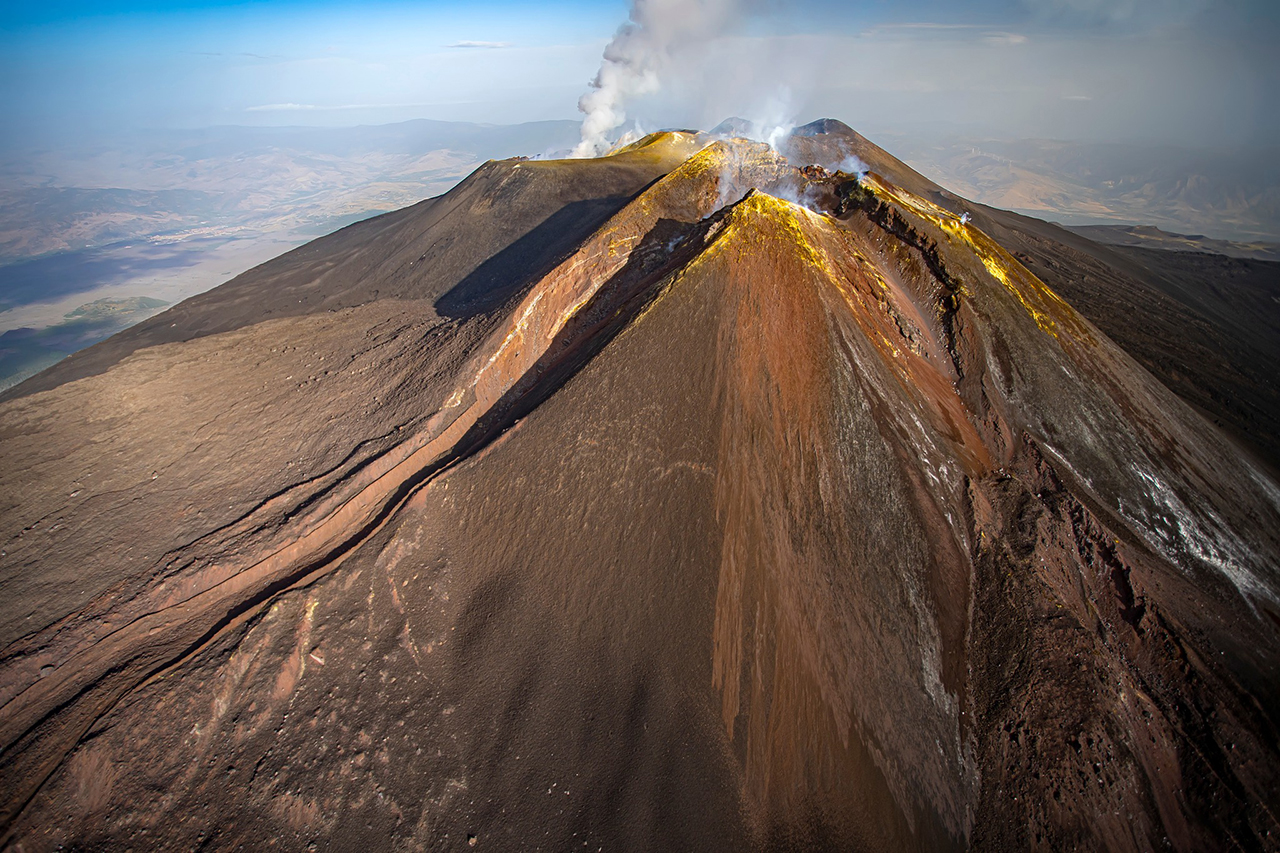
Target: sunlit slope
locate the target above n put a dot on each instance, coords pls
(774, 510)
(1205, 326)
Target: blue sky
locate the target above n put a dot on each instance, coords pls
(1193, 72)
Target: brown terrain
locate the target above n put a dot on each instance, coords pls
(681, 499)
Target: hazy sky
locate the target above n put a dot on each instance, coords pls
(1192, 72)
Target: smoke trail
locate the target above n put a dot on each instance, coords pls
(640, 50)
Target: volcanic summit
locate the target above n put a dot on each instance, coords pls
(702, 496)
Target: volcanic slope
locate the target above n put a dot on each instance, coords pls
(739, 506)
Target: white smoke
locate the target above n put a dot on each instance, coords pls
(634, 134)
(850, 165)
(639, 53)
(773, 120)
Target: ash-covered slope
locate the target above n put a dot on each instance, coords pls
(739, 506)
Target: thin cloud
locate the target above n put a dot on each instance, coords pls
(266, 57)
(1151, 12)
(1004, 39)
(280, 108)
(1077, 98)
(486, 45)
(920, 30)
(924, 25)
(274, 108)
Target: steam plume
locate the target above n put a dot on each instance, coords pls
(634, 61)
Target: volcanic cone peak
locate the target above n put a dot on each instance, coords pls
(692, 497)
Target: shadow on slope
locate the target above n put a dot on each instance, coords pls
(527, 259)
(453, 245)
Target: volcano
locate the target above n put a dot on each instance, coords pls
(701, 496)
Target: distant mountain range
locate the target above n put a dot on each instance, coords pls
(1150, 237)
(1231, 195)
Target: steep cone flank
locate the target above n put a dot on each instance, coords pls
(632, 504)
